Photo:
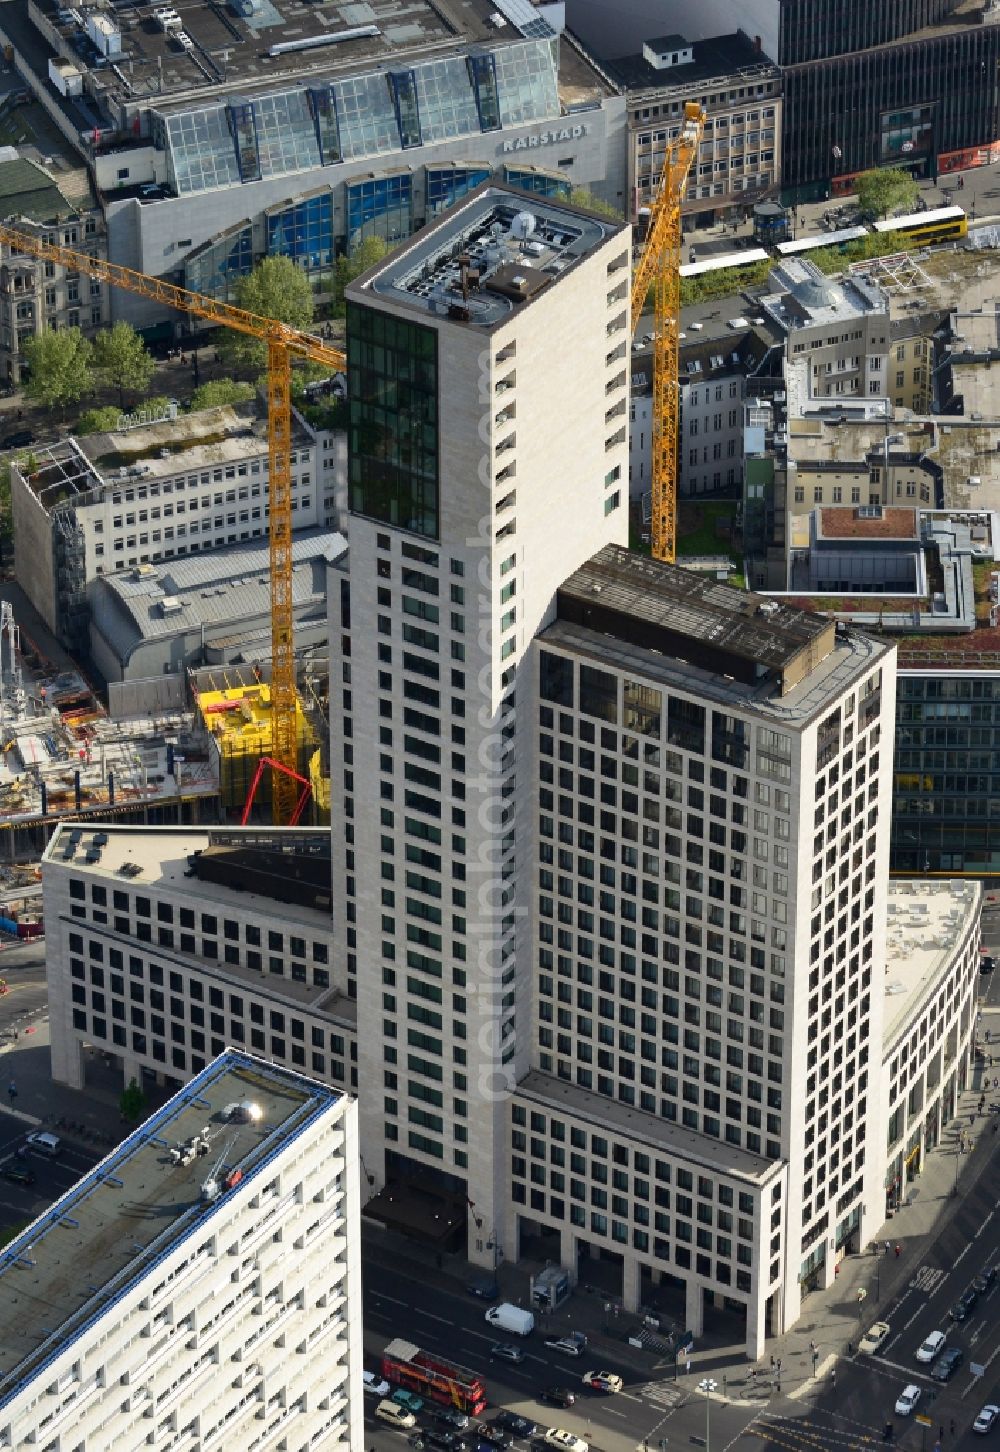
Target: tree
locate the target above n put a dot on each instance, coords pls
(358, 260)
(219, 391)
(276, 288)
(121, 360)
(98, 420)
(60, 364)
(583, 197)
(885, 190)
(132, 1102)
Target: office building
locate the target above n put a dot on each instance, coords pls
(202, 1284)
(215, 142)
(208, 609)
(149, 492)
(472, 489)
(739, 159)
(222, 938)
(911, 84)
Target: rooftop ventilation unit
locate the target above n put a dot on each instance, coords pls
(313, 42)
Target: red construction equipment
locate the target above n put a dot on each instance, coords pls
(304, 795)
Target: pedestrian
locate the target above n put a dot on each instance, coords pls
(899, 1251)
(778, 1365)
(951, 1426)
(772, 1363)
(812, 1347)
(941, 1433)
(887, 1247)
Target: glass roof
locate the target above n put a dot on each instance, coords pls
(202, 151)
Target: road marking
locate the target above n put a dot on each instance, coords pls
(894, 1340)
(975, 1334)
(392, 1299)
(963, 1252)
(909, 1371)
(613, 1413)
(927, 1278)
(431, 1316)
(909, 1323)
(540, 1359)
(985, 1223)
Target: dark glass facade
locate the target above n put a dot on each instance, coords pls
(393, 429)
(817, 29)
(906, 102)
(946, 787)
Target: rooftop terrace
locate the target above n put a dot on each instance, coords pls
(926, 922)
(111, 1231)
(487, 257)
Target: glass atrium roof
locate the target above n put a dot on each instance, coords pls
(371, 114)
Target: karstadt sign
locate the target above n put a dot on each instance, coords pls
(547, 138)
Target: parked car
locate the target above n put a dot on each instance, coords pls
(964, 1306)
(408, 1399)
(932, 1346)
(984, 1280)
(907, 1400)
(516, 1425)
(485, 1288)
(557, 1396)
(987, 963)
(947, 1363)
(20, 439)
(504, 1351)
(607, 1382)
(453, 1418)
(376, 1385)
(988, 1415)
(18, 1174)
(874, 1337)
(565, 1441)
(441, 1440)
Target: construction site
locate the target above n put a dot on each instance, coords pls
(181, 751)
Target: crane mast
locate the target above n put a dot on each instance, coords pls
(283, 344)
(659, 265)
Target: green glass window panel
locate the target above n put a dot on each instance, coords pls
(392, 435)
(447, 100)
(242, 123)
(540, 183)
(484, 79)
(214, 267)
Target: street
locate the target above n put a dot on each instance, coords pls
(846, 1405)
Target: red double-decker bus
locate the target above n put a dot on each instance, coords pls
(430, 1376)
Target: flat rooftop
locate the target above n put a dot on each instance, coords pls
(800, 296)
(486, 257)
(264, 41)
(107, 1234)
(676, 612)
(687, 1144)
(925, 922)
(862, 522)
(721, 58)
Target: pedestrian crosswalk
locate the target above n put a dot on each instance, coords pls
(661, 1393)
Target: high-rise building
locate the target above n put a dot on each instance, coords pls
(488, 458)
(710, 938)
(200, 1286)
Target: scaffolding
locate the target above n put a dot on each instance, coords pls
(238, 720)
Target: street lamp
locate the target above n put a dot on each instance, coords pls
(708, 1386)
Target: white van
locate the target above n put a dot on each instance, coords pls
(44, 1144)
(511, 1318)
(395, 1415)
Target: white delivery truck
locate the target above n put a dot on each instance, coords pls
(511, 1318)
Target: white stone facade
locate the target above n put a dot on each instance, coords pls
(207, 1322)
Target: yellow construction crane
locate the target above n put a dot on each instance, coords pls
(659, 264)
(283, 343)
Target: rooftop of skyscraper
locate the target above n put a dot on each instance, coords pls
(489, 256)
(671, 624)
(162, 1185)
